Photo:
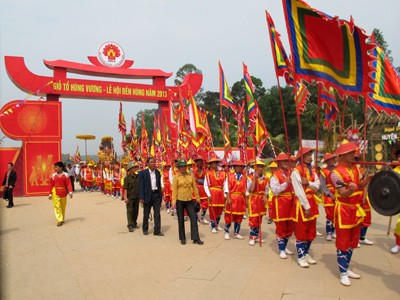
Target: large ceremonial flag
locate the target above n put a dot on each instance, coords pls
(77, 156)
(283, 66)
(121, 120)
(328, 50)
(225, 95)
(327, 99)
(386, 89)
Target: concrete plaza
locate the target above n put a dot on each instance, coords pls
(93, 256)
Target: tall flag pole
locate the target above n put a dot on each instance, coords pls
(283, 68)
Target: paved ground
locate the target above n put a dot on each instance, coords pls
(93, 256)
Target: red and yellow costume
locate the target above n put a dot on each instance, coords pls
(167, 188)
(256, 204)
(199, 175)
(328, 201)
(234, 211)
(215, 185)
(305, 228)
(60, 185)
(282, 205)
(348, 214)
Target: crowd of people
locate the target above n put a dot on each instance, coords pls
(289, 192)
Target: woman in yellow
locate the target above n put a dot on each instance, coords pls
(183, 187)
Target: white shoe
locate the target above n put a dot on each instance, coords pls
(198, 222)
(238, 236)
(319, 233)
(213, 230)
(353, 275)
(205, 221)
(219, 228)
(358, 245)
(334, 235)
(226, 236)
(302, 263)
(395, 249)
(309, 259)
(366, 242)
(282, 254)
(168, 211)
(252, 242)
(329, 237)
(244, 217)
(258, 240)
(344, 279)
(287, 251)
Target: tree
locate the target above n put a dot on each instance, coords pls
(188, 69)
(382, 43)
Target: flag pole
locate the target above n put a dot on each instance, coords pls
(317, 129)
(283, 116)
(343, 116)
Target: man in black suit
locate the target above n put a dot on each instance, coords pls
(150, 195)
(9, 183)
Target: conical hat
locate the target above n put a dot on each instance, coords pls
(346, 147)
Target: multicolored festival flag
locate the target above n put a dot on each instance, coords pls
(227, 141)
(77, 156)
(386, 94)
(328, 50)
(283, 66)
(225, 95)
(121, 120)
(327, 98)
(261, 135)
(251, 102)
(301, 97)
(144, 143)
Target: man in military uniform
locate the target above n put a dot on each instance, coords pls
(131, 195)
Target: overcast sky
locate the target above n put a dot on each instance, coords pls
(160, 35)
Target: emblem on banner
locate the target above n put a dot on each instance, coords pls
(111, 54)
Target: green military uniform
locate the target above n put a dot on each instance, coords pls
(131, 185)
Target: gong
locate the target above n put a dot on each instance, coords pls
(384, 192)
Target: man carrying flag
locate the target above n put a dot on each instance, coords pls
(213, 186)
(235, 189)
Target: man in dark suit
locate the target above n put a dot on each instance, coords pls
(9, 184)
(150, 195)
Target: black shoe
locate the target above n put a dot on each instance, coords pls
(270, 221)
(9, 206)
(159, 234)
(130, 229)
(199, 242)
(145, 233)
(183, 242)
(135, 226)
